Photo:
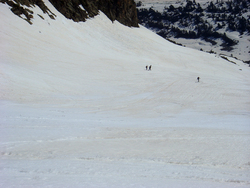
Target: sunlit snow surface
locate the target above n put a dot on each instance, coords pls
(78, 108)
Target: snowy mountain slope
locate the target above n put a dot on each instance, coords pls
(220, 27)
(92, 69)
(79, 109)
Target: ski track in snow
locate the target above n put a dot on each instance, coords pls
(78, 108)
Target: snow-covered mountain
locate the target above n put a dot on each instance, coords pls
(220, 27)
(78, 108)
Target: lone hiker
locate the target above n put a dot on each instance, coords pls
(198, 79)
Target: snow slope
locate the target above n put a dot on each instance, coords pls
(78, 108)
(239, 51)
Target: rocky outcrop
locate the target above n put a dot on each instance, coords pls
(17, 8)
(123, 11)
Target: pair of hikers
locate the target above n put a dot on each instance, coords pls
(148, 68)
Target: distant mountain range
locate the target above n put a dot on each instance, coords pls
(221, 27)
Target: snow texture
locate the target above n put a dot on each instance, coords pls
(78, 108)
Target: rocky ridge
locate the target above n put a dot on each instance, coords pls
(123, 11)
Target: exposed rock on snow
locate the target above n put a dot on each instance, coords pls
(221, 27)
(123, 11)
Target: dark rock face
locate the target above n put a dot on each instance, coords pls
(123, 11)
(18, 9)
(70, 9)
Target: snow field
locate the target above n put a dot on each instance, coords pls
(78, 108)
(64, 147)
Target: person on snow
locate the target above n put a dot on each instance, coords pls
(146, 67)
(198, 79)
(149, 68)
